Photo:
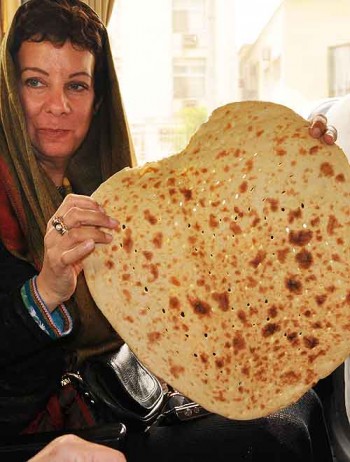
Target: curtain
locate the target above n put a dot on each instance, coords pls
(103, 8)
(7, 10)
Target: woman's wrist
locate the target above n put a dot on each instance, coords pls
(57, 323)
(44, 296)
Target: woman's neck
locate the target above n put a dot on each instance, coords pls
(54, 168)
(55, 174)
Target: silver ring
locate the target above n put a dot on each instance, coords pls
(332, 131)
(58, 224)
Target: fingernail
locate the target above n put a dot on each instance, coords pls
(316, 131)
(113, 222)
(101, 209)
(329, 137)
(89, 245)
(109, 237)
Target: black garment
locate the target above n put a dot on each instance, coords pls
(31, 368)
(295, 434)
(31, 363)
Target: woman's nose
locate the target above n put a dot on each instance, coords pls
(57, 102)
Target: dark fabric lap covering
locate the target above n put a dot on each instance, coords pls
(296, 434)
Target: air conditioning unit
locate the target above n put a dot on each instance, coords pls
(190, 102)
(189, 40)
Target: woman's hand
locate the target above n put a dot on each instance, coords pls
(71, 448)
(82, 220)
(319, 129)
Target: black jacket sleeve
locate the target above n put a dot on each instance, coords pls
(31, 363)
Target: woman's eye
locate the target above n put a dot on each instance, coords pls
(34, 83)
(75, 86)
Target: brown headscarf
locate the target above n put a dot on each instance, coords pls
(29, 198)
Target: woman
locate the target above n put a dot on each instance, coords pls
(63, 128)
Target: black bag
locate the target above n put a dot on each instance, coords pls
(118, 387)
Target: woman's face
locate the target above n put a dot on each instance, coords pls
(56, 88)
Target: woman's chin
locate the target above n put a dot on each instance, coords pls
(55, 151)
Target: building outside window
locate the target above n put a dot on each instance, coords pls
(188, 16)
(189, 78)
(177, 60)
(339, 70)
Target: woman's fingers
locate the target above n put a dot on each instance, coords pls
(63, 261)
(82, 209)
(318, 126)
(78, 252)
(80, 201)
(77, 217)
(72, 233)
(82, 239)
(77, 236)
(79, 223)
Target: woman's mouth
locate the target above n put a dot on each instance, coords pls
(53, 133)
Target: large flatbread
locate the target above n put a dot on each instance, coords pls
(229, 274)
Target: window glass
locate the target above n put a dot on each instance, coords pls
(177, 60)
(189, 78)
(339, 70)
(188, 16)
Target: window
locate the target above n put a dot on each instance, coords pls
(189, 78)
(339, 70)
(188, 16)
(180, 59)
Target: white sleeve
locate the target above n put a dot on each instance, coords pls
(339, 116)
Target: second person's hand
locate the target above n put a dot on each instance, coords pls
(320, 129)
(71, 448)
